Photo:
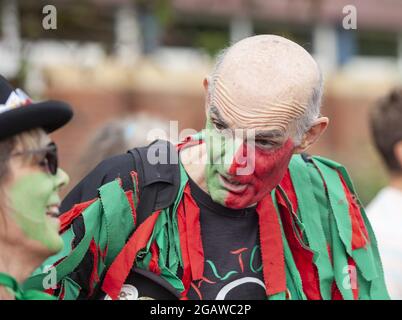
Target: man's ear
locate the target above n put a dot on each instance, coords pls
(398, 152)
(312, 135)
(206, 84)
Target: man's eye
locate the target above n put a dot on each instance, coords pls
(219, 125)
(265, 143)
(43, 163)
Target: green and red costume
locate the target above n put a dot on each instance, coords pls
(315, 239)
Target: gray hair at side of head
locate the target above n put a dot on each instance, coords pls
(303, 123)
(213, 76)
(312, 113)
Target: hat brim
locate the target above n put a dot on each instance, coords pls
(48, 115)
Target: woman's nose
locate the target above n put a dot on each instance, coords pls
(62, 178)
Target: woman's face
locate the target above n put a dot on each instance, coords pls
(33, 196)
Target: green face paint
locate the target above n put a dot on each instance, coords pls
(220, 156)
(31, 195)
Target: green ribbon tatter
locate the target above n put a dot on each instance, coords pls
(19, 294)
(310, 215)
(118, 218)
(367, 259)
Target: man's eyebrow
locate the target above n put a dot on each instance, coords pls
(214, 111)
(269, 134)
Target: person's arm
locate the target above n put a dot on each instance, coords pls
(108, 170)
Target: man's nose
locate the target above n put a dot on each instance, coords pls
(231, 148)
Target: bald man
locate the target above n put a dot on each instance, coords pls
(237, 211)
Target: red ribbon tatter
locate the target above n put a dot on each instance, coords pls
(181, 222)
(121, 266)
(67, 218)
(194, 241)
(359, 232)
(273, 259)
(188, 220)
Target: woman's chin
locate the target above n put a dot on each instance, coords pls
(55, 244)
(51, 237)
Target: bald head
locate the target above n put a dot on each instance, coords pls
(265, 81)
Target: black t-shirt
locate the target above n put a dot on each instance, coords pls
(230, 237)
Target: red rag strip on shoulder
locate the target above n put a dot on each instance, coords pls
(129, 195)
(67, 218)
(359, 231)
(94, 273)
(154, 263)
(273, 259)
(188, 142)
(181, 222)
(121, 266)
(193, 231)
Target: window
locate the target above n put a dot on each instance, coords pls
(302, 34)
(212, 35)
(377, 43)
(76, 20)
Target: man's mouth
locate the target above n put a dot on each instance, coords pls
(53, 211)
(231, 185)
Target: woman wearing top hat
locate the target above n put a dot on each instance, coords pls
(29, 185)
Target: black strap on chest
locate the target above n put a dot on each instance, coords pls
(158, 177)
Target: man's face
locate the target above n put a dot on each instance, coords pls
(243, 165)
(263, 84)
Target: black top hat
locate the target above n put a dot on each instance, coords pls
(18, 113)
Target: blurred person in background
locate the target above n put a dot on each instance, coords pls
(29, 185)
(118, 136)
(385, 210)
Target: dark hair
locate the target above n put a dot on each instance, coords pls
(386, 127)
(27, 140)
(6, 147)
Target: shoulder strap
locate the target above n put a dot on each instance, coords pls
(158, 177)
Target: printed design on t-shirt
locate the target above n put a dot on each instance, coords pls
(244, 266)
(129, 292)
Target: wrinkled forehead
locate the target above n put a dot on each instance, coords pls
(268, 83)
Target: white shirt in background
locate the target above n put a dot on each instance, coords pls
(385, 215)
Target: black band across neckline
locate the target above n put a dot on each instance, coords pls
(202, 197)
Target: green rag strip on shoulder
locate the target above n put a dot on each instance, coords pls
(370, 270)
(119, 222)
(19, 293)
(309, 212)
(324, 214)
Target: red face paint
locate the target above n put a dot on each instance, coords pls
(269, 169)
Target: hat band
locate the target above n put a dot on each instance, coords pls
(17, 98)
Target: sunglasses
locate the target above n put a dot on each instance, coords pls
(49, 159)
